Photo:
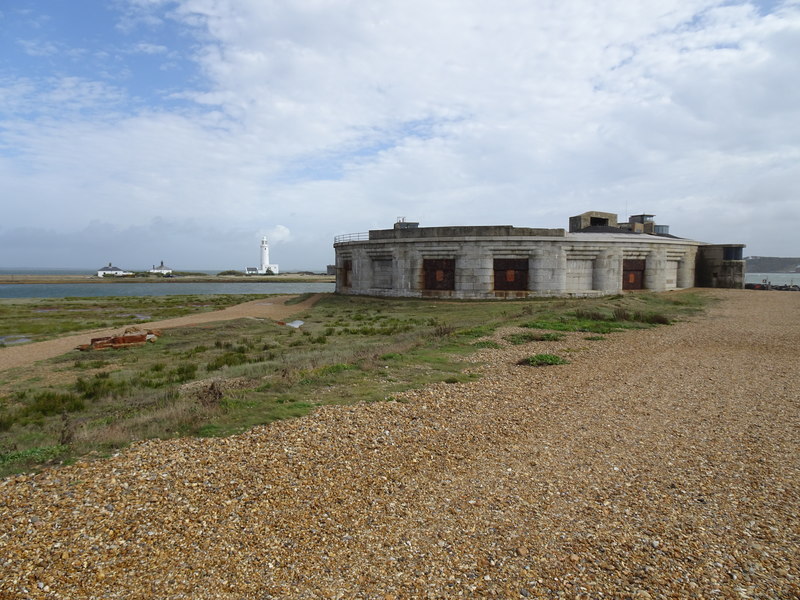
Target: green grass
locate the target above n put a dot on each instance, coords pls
(486, 344)
(543, 360)
(44, 318)
(526, 338)
(222, 378)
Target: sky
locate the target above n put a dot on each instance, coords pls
(136, 131)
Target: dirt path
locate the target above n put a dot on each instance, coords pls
(268, 308)
(660, 463)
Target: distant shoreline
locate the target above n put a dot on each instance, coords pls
(56, 279)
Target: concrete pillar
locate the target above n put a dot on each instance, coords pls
(362, 271)
(473, 270)
(403, 271)
(548, 270)
(655, 270)
(686, 270)
(607, 272)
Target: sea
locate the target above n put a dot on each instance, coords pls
(175, 288)
(773, 278)
(172, 288)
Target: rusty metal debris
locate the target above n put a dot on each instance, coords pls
(131, 337)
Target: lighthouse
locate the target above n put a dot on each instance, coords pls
(265, 268)
(264, 255)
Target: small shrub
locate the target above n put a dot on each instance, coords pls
(653, 318)
(6, 421)
(185, 372)
(622, 314)
(595, 338)
(543, 360)
(196, 350)
(48, 402)
(590, 315)
(229, 359)
(442, 331)
(99, 386)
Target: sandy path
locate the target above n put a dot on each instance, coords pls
(267, 308)
(661, 463)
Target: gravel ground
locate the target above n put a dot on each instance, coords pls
(270, 308)
(657, 464)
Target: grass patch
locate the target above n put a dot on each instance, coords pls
(486, 344)
(31, 456)
(221, 378)
(543, 360)
(574, 324)
(45, 318)
(526, 338)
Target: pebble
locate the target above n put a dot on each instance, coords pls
(304, 509)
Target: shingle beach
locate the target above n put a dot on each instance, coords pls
(659, 463)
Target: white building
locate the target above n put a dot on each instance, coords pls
(161, 269)
(111, 271)
(266, 268)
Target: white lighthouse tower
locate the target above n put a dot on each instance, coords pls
(264, 255)
(265, 268)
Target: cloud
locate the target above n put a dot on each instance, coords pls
(278, 235)
(146, 48)
(334, 117)
(38, 47)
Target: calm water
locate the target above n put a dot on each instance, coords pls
(83, 290)
(773, 278)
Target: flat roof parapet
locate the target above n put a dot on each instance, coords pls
(464, 231)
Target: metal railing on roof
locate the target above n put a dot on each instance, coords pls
(352, 237)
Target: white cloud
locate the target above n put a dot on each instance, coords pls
(147, 48)
(329, 117)
(278, 235)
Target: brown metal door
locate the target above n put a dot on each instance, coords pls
(511, 273)
(439, 273)
(633, 274)
(347, 273)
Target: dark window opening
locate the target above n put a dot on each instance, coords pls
(598, 222)
(347, 273)
(731, 253)
(439, 273)
(511, 273)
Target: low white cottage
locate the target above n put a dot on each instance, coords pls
(112, 271)
(161, 269)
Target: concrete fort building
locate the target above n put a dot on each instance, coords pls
(265, 268)
(597, 256)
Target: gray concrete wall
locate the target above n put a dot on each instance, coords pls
(713, 270)
(577, 265)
